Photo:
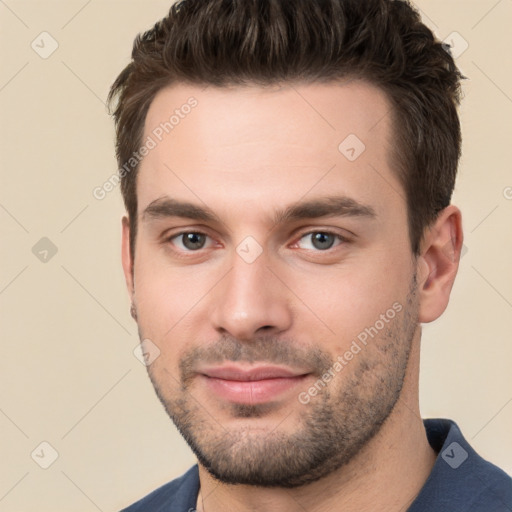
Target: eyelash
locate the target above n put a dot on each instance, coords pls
(341, 239)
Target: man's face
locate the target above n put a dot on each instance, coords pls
(273, 272)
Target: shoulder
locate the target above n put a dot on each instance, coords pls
(461, 480)
(179, 494)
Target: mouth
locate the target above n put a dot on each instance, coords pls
(254, 385)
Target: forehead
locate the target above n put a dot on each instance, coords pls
(255, 144)
(349, 105)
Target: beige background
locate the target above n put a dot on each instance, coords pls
(69, 375)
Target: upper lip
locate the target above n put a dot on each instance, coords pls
(250, 374)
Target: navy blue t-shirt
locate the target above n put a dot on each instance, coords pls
(460, 481)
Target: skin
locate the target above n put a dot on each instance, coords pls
(245, 153)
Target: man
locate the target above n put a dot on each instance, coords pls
(287, 169)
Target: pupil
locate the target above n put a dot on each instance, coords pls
(193, 240)
(323, 240)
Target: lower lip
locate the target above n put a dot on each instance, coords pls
(252, 392)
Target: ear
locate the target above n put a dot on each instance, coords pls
(438, 263)
(126, 256)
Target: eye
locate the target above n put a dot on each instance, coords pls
(319, 240)
(189, 241)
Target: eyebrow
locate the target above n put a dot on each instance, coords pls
(331, 206)
(167, 207)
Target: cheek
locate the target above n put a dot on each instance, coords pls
(169, 298)
(165, 307)
(339, 304)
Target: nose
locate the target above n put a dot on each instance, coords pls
(250, 301)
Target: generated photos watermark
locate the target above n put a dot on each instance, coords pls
(157, 135)
(357, 345)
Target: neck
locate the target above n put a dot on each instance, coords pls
(385, 476)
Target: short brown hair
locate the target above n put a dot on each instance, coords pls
(263, 42)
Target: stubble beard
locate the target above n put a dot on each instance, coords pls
(330, 430)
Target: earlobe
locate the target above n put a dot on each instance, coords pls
(126, 256)
(438, 263)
